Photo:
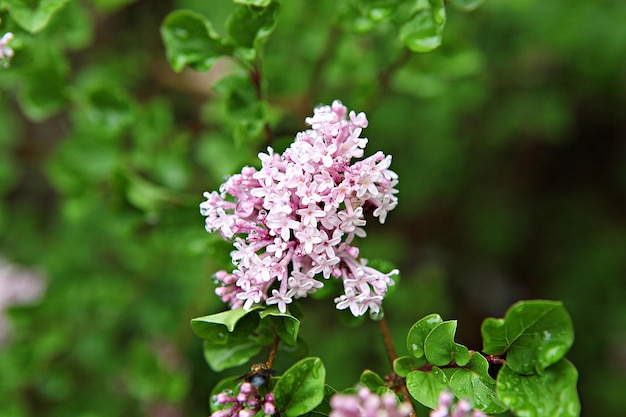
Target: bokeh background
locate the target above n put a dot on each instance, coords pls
(509, 140)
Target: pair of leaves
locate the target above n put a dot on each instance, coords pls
(536, 380)
(431, 344)
(233, 337)
(190, 39)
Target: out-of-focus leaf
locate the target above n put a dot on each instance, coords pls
(43, 91)
(423, 32)
(257, 3)
(106, 110)
(249, 27)
(467, 5)
(33, 15)
(190, 40)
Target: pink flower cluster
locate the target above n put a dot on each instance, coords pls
(5, 50)
(18, 286)
(299, 214)
(447, 407)
(367, 404)
(246, 403)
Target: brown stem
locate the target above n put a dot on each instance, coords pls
(272, 355)
(392, 355)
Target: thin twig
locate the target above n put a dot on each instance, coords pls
(392, 355)
(272, 355)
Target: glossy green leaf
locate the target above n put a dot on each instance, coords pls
(534, 334)
(423, 32)
(440, 347)
(371, 380)
(249, 28)
(418, 332)
(33, 15)
(405, 364)
(324, 408)
(552, 394)
(286, 325)
(474, 383)
(301, 388)
(190, 40)
(215, 327)
(467, 5)
(221, 357)
(425, 387)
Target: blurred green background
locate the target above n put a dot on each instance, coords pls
(509, 140)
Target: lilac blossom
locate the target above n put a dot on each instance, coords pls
(367, 404)
(296, 217)
(5, 51)
(448, 407)
(18, 286)
(246, 403)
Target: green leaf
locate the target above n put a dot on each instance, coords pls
(287, 326)
(301, 387)
(229, 383)
(467, 5)
(371, 380)
(190, 40)
(249, 28)
(552, 394)
(216, 328)
(423, 32)
(440, 348)
(324, 408)
(405, 364)
(43, 91)
(425, 387)
(33, 15)
(146, 195)
(418, 332)
(474, 383)
(534, 334)
(220, 357)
